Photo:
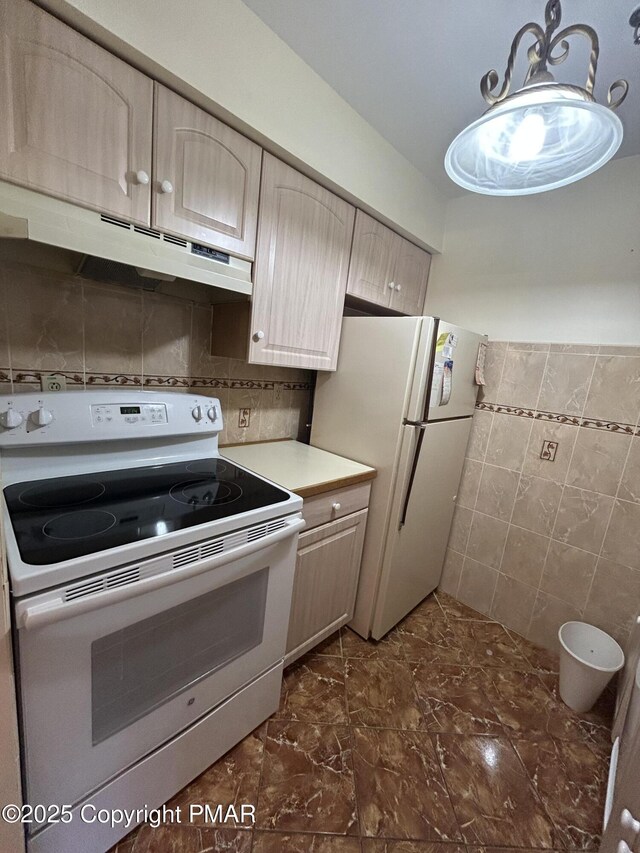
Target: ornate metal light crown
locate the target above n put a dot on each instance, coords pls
(541, 55)
(634, 20)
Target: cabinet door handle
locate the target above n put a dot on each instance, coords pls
(391, 285)
(142, 177)
(166, 187)
(398, 287)
(336, 507)
(628, 821)
(258, 336)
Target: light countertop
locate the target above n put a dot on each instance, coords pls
(298, 467)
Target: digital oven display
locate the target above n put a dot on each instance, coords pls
(129, 410)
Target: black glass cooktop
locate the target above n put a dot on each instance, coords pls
(68, 517)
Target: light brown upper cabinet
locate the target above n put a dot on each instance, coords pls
(206, 177)
(386, 269)
(76, 121)
(370, 271)
(409, 277)
(300, 273)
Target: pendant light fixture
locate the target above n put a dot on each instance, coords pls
(544, 135)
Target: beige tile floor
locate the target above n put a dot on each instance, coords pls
(447, 736)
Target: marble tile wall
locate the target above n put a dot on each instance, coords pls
(103, 335)
(536, 542)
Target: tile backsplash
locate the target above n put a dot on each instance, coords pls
(104, 335)
(546, 533)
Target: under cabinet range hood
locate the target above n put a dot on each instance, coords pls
(130, 252)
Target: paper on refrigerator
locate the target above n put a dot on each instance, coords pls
(442, 383)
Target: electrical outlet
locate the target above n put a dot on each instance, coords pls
(244, 417)
(53, 382)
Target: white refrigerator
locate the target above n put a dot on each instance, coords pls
(401, 400)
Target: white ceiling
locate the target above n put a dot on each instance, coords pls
(412, 68)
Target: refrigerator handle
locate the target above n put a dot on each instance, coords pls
(432, 364)
(412, 476)
(420, 424)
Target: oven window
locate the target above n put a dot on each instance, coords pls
(146, 664)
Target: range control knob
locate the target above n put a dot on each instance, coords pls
(196, 413)
(41, 417)
(10, 419)
(212, 414)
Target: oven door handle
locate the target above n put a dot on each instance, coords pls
(55, 609)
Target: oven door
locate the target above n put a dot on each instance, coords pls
(108, 675)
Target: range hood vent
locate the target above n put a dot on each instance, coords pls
(104, 270)
(116, 250)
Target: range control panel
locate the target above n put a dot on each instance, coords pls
(70, 417)
(111, 415)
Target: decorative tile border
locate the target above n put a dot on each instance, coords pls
(110, 379)
(623, 350)
(251, 384)
(296, 386)
(557, 417)
(96, 380)
(166, 382)
(506, 410)
(248, 384)
(32, 377)
(202, 382)
(610, 426)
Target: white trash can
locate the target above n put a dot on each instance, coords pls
(589, 658)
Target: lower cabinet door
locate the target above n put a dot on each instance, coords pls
(326, 579)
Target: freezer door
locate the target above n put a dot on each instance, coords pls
(463, 390)
(414, 554)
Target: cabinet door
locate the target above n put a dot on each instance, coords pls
(626, 795)
(326, 580)
(76, 121)
(409, 277)
(300, 274)
(212, 174)
(372, 261)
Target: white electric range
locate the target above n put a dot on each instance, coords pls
(151, 583)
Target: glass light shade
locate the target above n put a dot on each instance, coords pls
(542, 137)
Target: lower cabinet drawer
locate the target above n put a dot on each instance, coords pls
(326, 580)
(329, 506)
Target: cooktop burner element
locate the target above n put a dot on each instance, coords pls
(67, 517)
(56, 497)
(202, 492)
(79, 525)
(207, 466)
